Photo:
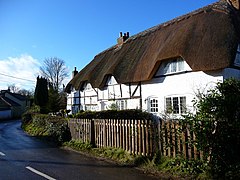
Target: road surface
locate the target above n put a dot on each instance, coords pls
(24, 157)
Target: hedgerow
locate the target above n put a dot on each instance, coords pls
(115, 114)
(54, 128)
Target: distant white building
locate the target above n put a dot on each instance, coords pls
(12, 105)
(162, 69)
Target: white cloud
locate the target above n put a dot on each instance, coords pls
(21, 71)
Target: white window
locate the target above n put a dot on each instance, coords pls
(88, 87)
(111, 81)
(122, 104)
(175, 105)
(91, 107)
(153, 105)
(237, 59)
(173, 66)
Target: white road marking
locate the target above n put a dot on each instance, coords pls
(2, 154)
(39, 173)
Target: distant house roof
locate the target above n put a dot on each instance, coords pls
(18, 96)
(4, 105)
(10, 102)
(206, 39)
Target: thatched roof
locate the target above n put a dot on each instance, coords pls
(206, 39)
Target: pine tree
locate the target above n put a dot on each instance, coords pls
(41, 94)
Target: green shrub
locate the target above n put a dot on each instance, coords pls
(58, 130)
(26, 118)
(53, 128)
(182, 166)
(115, 114)
(216, 126)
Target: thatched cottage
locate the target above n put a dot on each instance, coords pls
(163, 68)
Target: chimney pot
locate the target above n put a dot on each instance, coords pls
(122, 38)
(74, 73)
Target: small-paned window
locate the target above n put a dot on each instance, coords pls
(122, 104)
(168, 102)
(153, 105)
(175, 105)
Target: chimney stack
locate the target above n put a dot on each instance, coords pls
(122, 38)
(234, 3)
(74, 73)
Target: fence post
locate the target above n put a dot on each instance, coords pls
(92, 133)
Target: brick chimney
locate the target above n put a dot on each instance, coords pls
(74, 73)
(122, 38)
(235, 3)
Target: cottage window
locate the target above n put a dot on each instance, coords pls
(237, 59)
(175, 105)
(122, 104)
(111, 81)
(173, 66)
(88, 87)
(153, 105)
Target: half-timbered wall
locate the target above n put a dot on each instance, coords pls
(73, 101)
(166, 94)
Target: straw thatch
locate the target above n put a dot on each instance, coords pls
(206, 39)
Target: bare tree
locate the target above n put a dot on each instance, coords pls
(26, 92)
(55, 71)
(13, 88)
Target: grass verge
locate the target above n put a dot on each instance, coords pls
(166, 168)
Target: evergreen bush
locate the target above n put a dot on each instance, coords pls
(115, 114)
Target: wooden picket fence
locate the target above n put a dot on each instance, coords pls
(175, 139)
(141, 137)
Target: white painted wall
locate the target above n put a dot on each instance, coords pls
(73, 101)
(185, 84)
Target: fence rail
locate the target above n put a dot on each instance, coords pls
(141, 137)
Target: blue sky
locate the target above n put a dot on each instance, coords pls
(72, 30)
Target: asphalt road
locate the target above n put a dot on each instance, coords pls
(24, 157)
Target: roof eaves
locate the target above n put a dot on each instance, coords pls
(6, 102)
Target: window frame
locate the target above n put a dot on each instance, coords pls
(173, 66)
(153, 105)
(122, 104)
(175, 104)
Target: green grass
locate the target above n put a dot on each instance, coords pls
(34, 130)
(171, 167)
(116, 154)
